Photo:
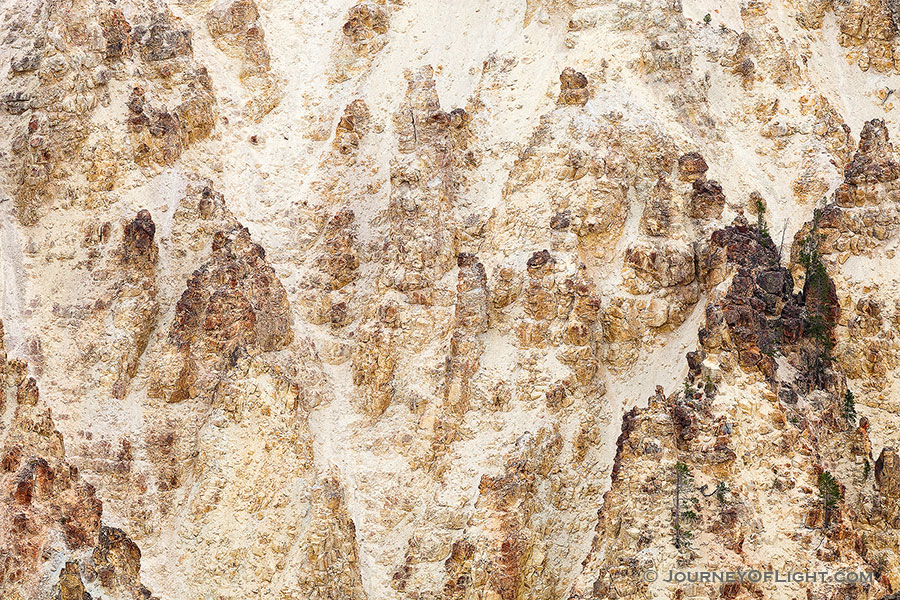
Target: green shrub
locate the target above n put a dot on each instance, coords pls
(721, 490)
(689, 389)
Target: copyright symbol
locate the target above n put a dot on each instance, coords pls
(650, 575)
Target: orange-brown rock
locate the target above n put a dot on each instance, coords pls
(352, 127)
(475, 274)
(692, 167)
(116, 560)
(340, 260)
(234, 302)
(573, 88)
(48, 513)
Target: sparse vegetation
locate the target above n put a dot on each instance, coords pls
(689, 389)
(816, 283)
(817, 328)
(707, 19)
(850, 408)
(683, 485)
(810, 257)
(721, 490)
(830, 493)
(760, 207)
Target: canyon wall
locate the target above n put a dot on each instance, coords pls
(398, 300)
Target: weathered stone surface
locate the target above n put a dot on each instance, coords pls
(362, 36)
(234, 302)
(352, 127)
(573, 88)
(48, 513)
(70, 585)
(868, 30)
(364, 21)
(235, 26)
(666, 450)
(61, 86)
(692, 167)
(887, 473)
(116, 559)
(659, 266)
(340, 260)
(475, 274)
(659, 212)
(707, 200)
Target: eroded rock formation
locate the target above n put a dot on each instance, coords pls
(494, 301)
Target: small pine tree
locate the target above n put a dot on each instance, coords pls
(811, 258)
(683, 482)
(816, 282)
(707, 19)
(760, 207)
(850, 407)
(830, 493)
(809, 246)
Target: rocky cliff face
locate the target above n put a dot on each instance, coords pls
(492, 300)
